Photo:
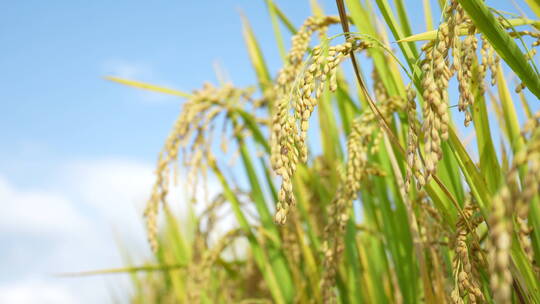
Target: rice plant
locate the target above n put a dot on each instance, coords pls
(413, 179)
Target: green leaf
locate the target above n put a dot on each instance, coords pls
(256, 56)
(462, 31)
(149, 87)
(145, 268)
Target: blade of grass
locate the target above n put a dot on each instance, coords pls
(121, 270)
(509, 112)
(149, 87)
(256, 56)
(403, 19)
(489, 165)
(282, 17)
(462, 31)
(277, 31)
(428, 17)
(535, 6)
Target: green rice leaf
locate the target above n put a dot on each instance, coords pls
(149, 87)
(462, 31)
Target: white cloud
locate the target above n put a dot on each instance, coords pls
(37, 212)
(112, 187)
(70, 224)
(117, 191)
(35, 291)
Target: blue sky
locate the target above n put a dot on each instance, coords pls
(77, 151)
(55, 53)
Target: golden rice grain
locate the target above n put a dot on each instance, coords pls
(288, 137)
(190, 137)
(464, 268)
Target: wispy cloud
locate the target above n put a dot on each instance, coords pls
(35, 291)
(38, 213)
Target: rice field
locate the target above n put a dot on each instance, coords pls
(377, 166)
